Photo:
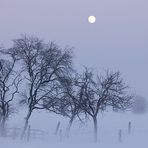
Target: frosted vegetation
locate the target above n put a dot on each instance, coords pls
(45, 102)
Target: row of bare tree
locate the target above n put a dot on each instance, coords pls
(43, 76)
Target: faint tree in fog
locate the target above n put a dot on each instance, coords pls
(71, 102)
(140, 105)
(43, 65)
(99, 93)
(67, 103)
(9, 83)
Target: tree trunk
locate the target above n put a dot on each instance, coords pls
(28, 133)
(69, 127)
(57, 128)
(26, 124)
(95, 129)
(2, 127)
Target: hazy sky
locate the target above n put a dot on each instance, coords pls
(118, 40)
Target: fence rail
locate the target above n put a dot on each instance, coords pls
(15, 133)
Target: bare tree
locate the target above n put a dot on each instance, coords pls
(9, 82)
(67, 103)
(43, 66)
(98, 94)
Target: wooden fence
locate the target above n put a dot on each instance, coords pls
(15, 133)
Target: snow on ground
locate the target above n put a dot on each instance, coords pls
(82, 136)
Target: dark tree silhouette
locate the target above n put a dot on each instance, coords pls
(43, 65)
(98, 94)
(9, 82)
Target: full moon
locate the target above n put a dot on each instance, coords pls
(91, 19)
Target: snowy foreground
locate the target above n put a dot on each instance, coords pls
(12, 144)
(82, 136)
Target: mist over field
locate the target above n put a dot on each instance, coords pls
(67, 83)
(81, 136)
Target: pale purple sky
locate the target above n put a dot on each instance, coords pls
(118, 40)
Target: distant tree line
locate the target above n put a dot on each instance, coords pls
(43, 77)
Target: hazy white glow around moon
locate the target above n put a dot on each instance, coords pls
(91, 19)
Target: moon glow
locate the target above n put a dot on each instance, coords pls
(91, 19)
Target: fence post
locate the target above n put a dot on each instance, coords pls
(61, 135)
(28, 133)
(14, 133)
(129, 128)
(120, 136)
(57, 128)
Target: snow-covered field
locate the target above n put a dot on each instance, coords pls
(82, 135)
